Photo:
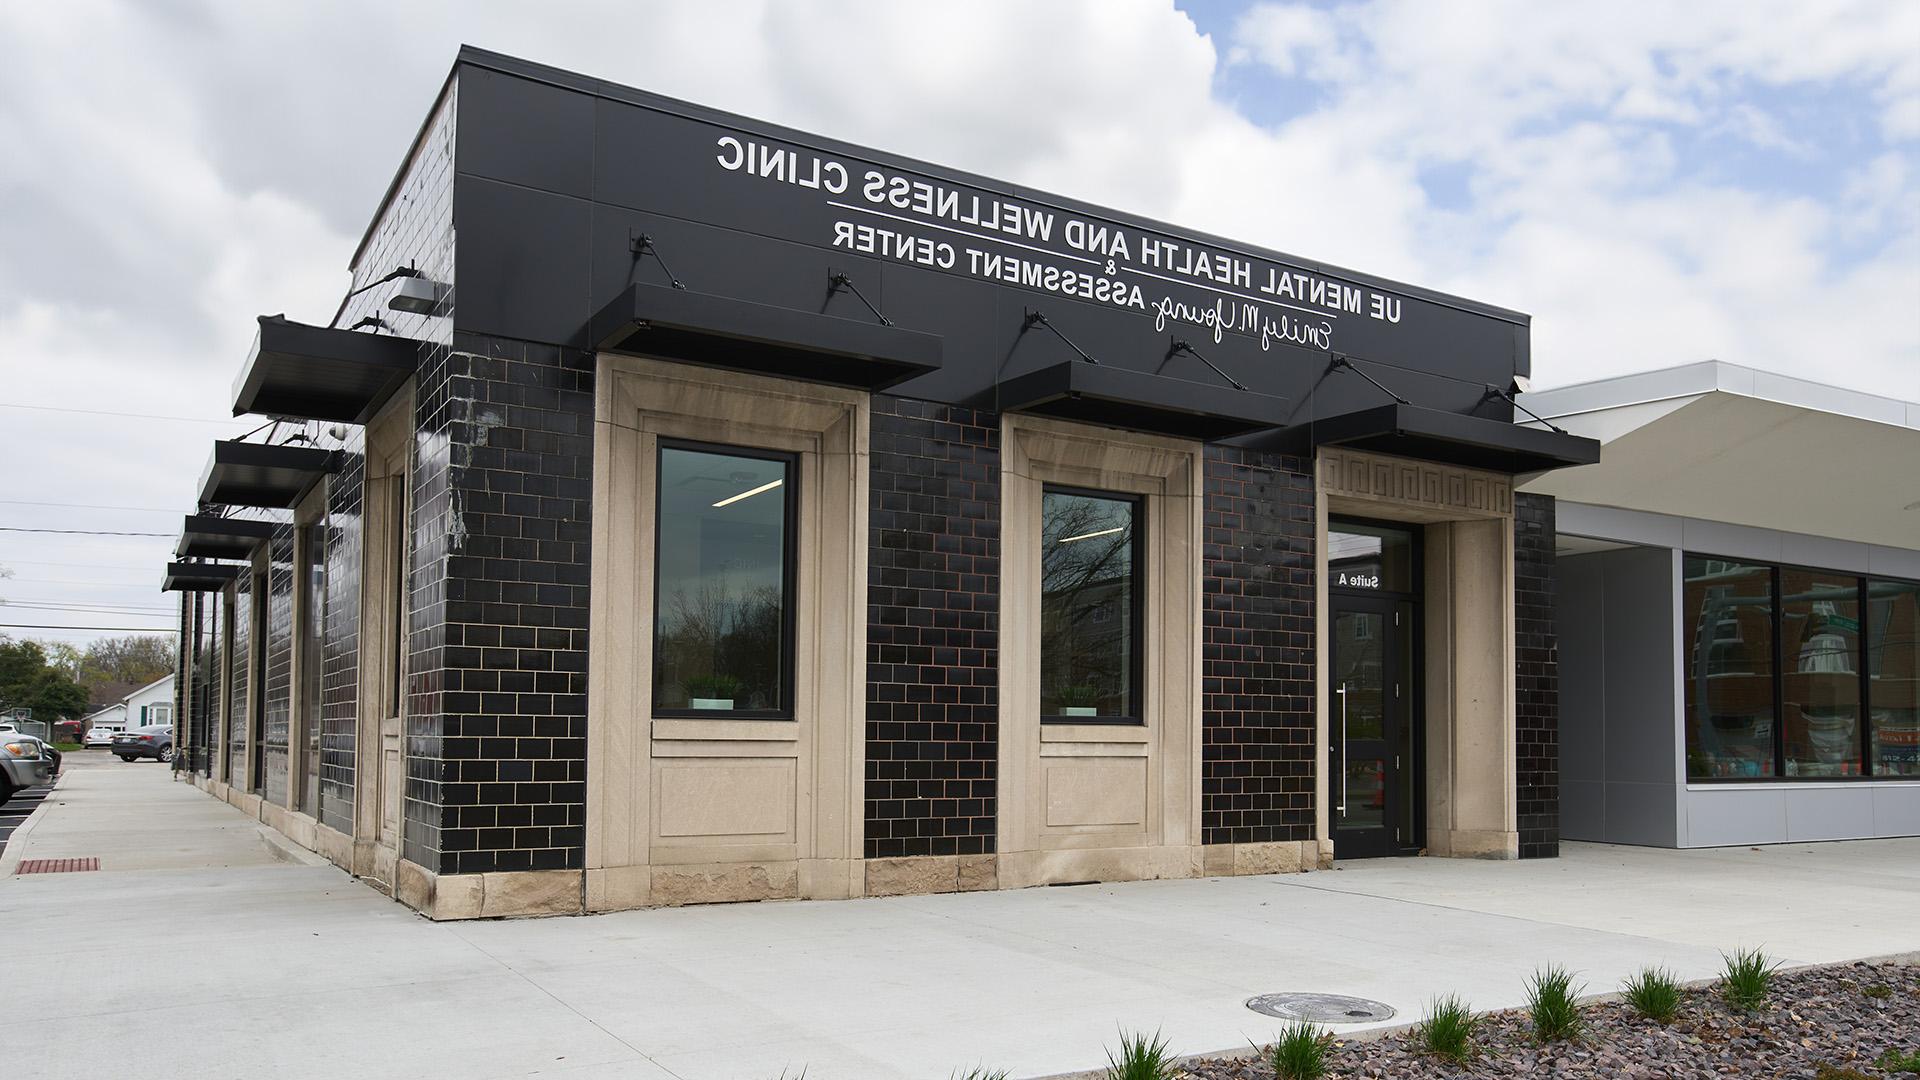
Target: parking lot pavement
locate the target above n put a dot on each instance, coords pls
(14, 812)
(270, 967)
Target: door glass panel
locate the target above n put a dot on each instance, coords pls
(1360, 646)
(1366, 795)
(1404, 767)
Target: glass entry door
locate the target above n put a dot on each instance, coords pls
(1370, 769)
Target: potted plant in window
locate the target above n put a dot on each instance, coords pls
(712, 691)
(1078, 699)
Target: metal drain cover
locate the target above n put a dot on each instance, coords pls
(1321, 1008)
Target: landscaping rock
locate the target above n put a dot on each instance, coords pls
(1846, 1016)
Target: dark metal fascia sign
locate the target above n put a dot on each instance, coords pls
(1182, 284)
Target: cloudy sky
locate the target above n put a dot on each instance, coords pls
(1656, 183)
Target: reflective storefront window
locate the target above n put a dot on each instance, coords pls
(1729, 676)
(1893, 676)
(1820, 640)
(1089, 607)
(724, 592)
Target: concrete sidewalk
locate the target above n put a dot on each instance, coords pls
(254, 966)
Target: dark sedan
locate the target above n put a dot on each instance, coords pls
(154, 741)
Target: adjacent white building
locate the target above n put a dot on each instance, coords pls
(151, 704)
(1738, 609)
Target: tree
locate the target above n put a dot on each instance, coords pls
(135, 658)
(27, 680)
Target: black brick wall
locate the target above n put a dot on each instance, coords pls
(932, 629)
(1537, 678)
(340, 644)
(239, 701)
(1257, 709)
(512, 674)
(279, 699)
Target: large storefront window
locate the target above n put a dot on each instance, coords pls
(1729, 676)
(723, 637)
(1089, 607)
(1893, 676)
(1789, 675)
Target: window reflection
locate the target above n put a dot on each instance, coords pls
(723, 585)
(1729, 677)
(1820, 635)
(1893, 676)
(1362, 556)
(1089, 591)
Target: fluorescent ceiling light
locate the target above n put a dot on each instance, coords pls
(1091, 535)
(731, 499)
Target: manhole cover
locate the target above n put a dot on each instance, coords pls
(1321, 1008)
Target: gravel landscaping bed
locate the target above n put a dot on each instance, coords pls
(1838, 1018)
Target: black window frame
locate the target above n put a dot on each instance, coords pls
(1863, 583)
(789, 580)
(1135, 715)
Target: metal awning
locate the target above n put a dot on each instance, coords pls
(717, 331)
(1453, 438)
(207, 537)
(1140, 401)
(301, 372)
(254, 474)
(198, 577)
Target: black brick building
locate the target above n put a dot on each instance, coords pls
(681, 508)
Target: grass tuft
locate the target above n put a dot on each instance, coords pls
(1300, 1053)
(1448, 1029)
(1654, 993)
(981, 1073)
(1748, 977)
(1878, 991)
(1895, 1061)
(1141, 1057)
(1553, 1004)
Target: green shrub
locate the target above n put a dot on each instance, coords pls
(1878, 991)
(1300, 1053)
(1448, 1029)
(1553, 1004)
(1837, 1072)
(1654, 994)
(1141, 1057)
(1748, 977)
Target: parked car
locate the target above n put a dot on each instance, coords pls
(153, 741)
(102, 736)
(25, 762)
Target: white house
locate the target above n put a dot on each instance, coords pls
(112, 718)
(151, 704)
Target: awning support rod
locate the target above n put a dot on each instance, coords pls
(837, 281)
(1035, 317)
(1179, 346)
(1507, 396)
(1341, 360)
(643, 243)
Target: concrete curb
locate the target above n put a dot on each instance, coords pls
(16, 843)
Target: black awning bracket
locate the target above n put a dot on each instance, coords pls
(838, 279)
(1507, 396)
(1177, 346)
(1036, 317)
(1341, 361)
(641, 244)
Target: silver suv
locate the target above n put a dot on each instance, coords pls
(25, 762)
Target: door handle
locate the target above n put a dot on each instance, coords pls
(1341, 806)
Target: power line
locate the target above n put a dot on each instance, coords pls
(108, 629)
(101, 609)
(62, 581)
(92, 506)
(79, 532)
(77, 565)
(100, 412)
